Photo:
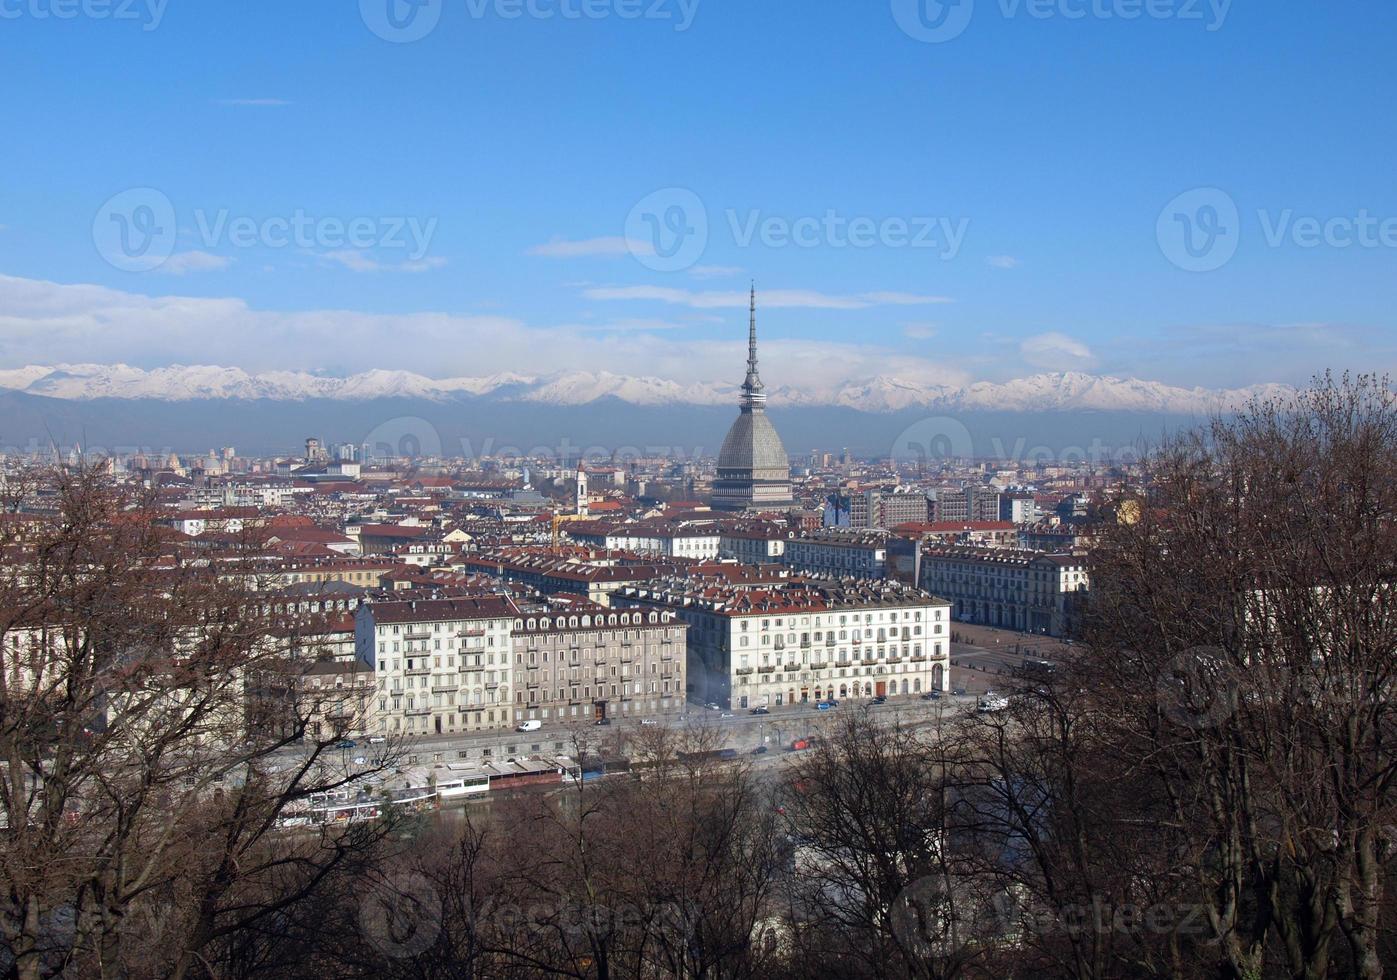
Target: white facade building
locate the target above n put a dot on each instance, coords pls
(803, 642)
(442, 665)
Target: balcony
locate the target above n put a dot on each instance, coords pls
(820, 665)
(425, 710)
(742, 671)
(766, 670)
(843, 663)
(444, 685)
(471, 631)
(417, 671)
(792, 668)
(417, 635)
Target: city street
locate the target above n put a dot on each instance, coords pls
(743, 731)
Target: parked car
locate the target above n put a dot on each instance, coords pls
(727, 754)
(530, 726)
(760, 711)
(823, 706)
(931, 696)
(991, 702)
(881, 699)
(647, 721)
(377, 739)
(726, 714)
(759, 750)
(711, 706)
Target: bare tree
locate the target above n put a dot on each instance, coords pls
(144, 766)
(1241, 640)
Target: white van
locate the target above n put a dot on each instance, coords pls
(529, 726)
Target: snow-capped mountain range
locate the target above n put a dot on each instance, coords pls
(1041, 392)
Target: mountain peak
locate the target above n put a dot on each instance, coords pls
(1041, 392)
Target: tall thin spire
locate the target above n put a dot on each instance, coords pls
(753, 383)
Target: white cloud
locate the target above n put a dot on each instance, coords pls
(182, 262)
(715, 271)
(919, 331)
(1003, 262)
(1056, 352)
(770, 298)
(903, 299)
(632, 326)
(356, 260)
(561, 248)
(47, 323)
(423, 265)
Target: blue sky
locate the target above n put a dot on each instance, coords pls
(1032, 158)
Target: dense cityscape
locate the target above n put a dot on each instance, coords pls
(698, 490)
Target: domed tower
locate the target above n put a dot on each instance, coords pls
(753, 470)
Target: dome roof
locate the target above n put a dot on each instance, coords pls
(753, 445)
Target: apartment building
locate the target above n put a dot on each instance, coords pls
(888, 508)
(1014, 589)
(476, 663)
(670, 540)
(576, 661)
(442, 665)
(338, 698)
(803, 642)
(754, 544)
(839, 552)
(962, 504)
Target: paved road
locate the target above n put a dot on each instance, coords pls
(742, 731)
(988, 659)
